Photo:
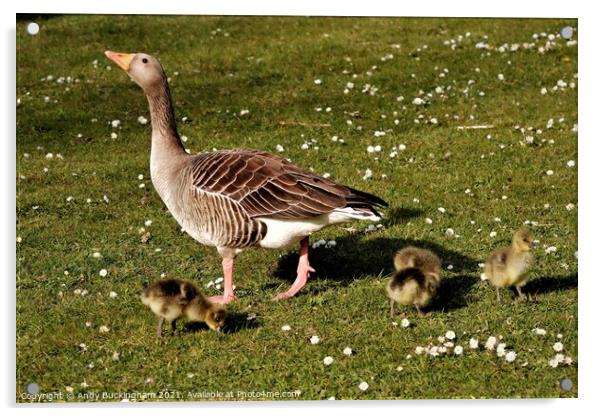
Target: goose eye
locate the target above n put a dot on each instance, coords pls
(144, 60)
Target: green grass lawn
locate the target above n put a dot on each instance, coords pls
(88, 198)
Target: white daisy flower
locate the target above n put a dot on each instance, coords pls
(347, 351)
(501, 349)
(484, 277)
(103, 272)
(244, 112)
(317, 81)
(551, 249)
(510, 356)
(558, 346)
(112, 295)
(539, 331)
(142, 120)
(570, 163)
(419, 350)
(115, 123)
(103, 329)
(473, 343)
(363, 386)
(314, 339)
(428, 220)
(148, 223)
(553, 363)
(490, 344)
(286, 328)
(458, 350)
(450, 335)
(449, 232)
(405, 322)
(279, 148)
(328, 360)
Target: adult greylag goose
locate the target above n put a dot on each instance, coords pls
(236, 199)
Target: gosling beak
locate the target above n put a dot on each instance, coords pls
(122, 60)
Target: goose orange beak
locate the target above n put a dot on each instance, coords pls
(122, 60)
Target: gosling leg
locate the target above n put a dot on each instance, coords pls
(497, 292)
(173, 327)
(420, 313)
(521, 295)
(160, 327)
(392, 310)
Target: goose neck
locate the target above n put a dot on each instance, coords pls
(163, 119)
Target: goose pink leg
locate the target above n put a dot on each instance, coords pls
(303, 270)
(228, 296)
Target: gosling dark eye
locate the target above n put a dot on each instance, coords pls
(144, 60)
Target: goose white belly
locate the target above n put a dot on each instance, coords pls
(285, 232)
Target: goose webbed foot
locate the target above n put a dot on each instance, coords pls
(222, 299)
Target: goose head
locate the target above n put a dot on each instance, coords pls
(144, 69)
(523, 240)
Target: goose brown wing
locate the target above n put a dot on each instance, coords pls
(267, 186)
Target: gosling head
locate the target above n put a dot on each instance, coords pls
(523, 240)
(144, 69)
(215, 318)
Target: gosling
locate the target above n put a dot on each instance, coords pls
(416, 280)
(509, 266)
(171, 299)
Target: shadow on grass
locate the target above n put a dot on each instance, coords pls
(542, 285)
(453, 292)
(235, 322)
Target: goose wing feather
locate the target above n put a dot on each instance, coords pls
(267, 186)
